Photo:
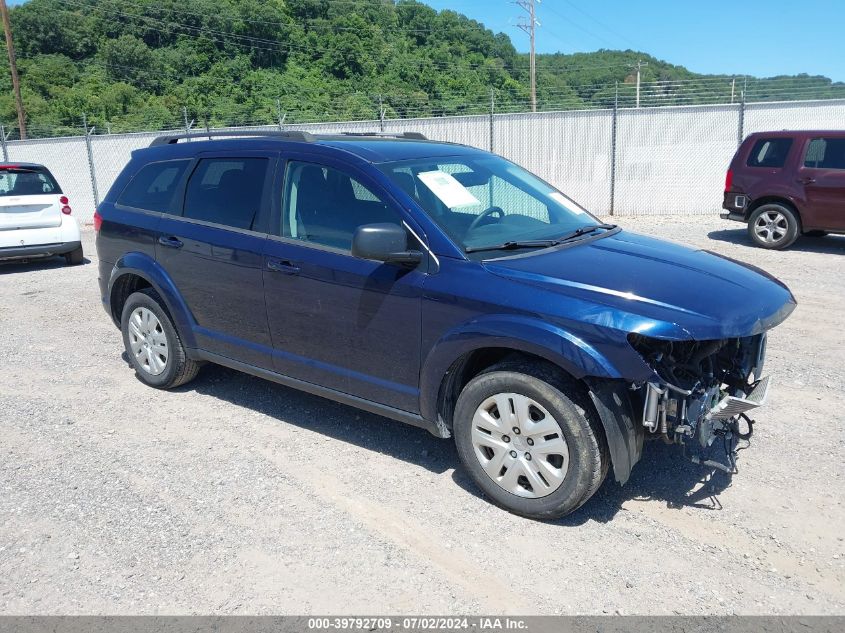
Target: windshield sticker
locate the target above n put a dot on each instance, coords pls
(452, 193)
(566, 202)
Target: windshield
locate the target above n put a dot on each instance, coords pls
(24, 181)
(489, 205)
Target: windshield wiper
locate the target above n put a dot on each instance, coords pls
(514, 244)
(584, 230)
(510, 245)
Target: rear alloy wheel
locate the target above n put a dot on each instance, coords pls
(530, 440)
(773, 226)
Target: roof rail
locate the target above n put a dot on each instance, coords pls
(417, 136)
(170, 139)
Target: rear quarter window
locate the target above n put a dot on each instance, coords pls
(769, 152)
(226, 191)
(152, 188)
(825, 153)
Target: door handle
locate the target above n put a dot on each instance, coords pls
(171, 242)
(806, 181)
(283, 267)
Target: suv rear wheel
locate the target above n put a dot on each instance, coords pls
(773, 226)
(530, 440)
(152, 342)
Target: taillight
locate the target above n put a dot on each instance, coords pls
(65, 202)
(729, 180)
(98, 220)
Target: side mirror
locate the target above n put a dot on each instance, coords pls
(384, 243)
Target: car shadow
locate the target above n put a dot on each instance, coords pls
(827, 244)
(662, 475)
(320, 415)
(30, 265)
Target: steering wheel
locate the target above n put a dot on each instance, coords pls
(485, 214)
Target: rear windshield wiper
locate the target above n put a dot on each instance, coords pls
(514, 244)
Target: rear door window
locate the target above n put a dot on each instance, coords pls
(825, 153)
(227, 191)
(153, 186)
(769, 152)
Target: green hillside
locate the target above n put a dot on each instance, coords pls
(135, 65)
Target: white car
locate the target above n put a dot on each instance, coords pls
(35, 216)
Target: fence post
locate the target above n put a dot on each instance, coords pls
(492, 113)
(381, 113)
(281, 116)
(741, 127)
(613, 151)
(93, 172)
(188, 126)
(3, 138)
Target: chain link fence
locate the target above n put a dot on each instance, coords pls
(617, 161)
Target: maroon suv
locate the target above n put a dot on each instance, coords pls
(785, 184)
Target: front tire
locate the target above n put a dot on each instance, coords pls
(152, 343)
(530, 439)
(74, 258)
(773, 226)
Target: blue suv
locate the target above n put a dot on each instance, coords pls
(438, 285)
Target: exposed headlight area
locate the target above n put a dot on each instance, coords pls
(700, 394)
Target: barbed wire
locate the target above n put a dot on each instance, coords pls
(230, 118)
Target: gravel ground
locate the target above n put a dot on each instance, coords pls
(235, 495)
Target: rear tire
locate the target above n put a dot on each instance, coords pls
(561, 453)
(152, 343)
(74, 258)
(773, 226)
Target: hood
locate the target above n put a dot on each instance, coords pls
(705, 295)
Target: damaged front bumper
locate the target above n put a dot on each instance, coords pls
(701, 394)
(710, 437)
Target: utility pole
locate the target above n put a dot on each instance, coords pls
(529, 27)
(13, 66)
(640, 63)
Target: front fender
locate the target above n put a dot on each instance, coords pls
(144, 266)
(516, 332)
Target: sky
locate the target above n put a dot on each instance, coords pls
(761, 38)
(754, 37)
